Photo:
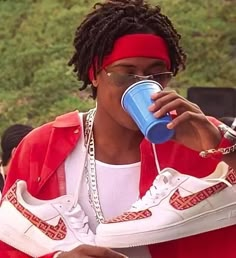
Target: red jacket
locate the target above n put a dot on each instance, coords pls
(43, 152)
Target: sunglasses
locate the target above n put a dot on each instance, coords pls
(125, 80)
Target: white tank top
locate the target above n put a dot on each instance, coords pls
(118, 189)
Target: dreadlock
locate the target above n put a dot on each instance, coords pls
(112, 19)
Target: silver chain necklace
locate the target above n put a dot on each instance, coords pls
(90, 171)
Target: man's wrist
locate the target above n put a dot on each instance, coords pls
(226, 146)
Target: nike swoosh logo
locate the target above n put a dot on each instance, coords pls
(183, 203)
(57, 232)
(128, 216)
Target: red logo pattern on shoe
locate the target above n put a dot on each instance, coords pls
(127, 216)
(182, 203)
(57, 232)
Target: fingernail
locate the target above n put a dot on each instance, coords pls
(157, 114)
(151, 108)
(154, 95)
(170, 125)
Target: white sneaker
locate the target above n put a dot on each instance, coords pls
(38, 227)
(176, 206)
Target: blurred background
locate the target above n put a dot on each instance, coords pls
(36, 43)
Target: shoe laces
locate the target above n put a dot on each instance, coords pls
(159, 189)
(77, 219)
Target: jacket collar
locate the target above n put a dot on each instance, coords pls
(67, 120)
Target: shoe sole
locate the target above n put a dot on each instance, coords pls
(13, 238)
(209, 221)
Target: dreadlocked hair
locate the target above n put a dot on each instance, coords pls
(110, 20)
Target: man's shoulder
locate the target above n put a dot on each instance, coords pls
(44, 132)
(70, 119)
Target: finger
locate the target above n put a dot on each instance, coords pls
(163, 99)
(179, 105)
(184, 117)
(162, 93)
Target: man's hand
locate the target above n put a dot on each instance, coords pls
(192, 128)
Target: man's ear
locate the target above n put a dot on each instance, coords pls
(13, 151)
(95, 83)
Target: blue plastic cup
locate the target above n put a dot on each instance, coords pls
(136, 100)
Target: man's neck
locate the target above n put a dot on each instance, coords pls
(114, 143)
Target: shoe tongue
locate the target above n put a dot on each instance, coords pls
(161, 180)
(164, 177)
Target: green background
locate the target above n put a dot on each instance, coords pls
(36, 43)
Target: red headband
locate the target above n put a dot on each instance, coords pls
(136, 45)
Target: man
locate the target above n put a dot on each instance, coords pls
(10, 139)
(115, 42)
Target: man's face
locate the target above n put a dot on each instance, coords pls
(116, 78)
